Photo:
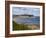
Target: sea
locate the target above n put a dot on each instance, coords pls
(29, 20)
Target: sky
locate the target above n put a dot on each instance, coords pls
(26, 10)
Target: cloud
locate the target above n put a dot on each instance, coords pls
(26, 10)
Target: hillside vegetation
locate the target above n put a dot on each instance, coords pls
(20, 26)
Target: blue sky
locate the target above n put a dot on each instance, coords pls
(26, 10)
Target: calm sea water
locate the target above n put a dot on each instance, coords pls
(34, 20)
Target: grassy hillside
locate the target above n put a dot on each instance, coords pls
(20, 26)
